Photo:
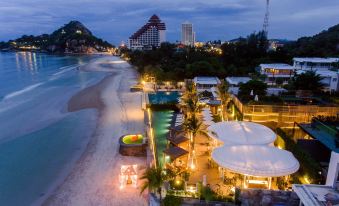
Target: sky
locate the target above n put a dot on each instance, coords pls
(116, 20)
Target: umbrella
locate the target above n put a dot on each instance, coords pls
(256, 98)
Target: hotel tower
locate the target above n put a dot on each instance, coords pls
(187, 34)
(152, 34)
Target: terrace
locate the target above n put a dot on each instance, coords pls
(286, 111)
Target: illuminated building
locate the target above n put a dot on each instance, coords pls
(187, 34)
(152, 34)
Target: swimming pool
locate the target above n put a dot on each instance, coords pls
(164, 97)
(161, 121)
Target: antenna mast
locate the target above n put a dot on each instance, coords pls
(265, 25)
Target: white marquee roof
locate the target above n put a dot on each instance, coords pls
(256, 160)
(241, 133)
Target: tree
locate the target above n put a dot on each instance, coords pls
(224, 96)
(308, 80)
(154, 179)
(190, 98)
(193, 126)
(258, 87)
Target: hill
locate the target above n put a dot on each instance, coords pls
(324, 44)
(73, 37)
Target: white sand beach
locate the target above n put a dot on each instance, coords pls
(94, 180)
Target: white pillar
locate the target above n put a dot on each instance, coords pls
(244, 182)
(333, 169)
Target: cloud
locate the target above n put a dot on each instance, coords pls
(116, 20)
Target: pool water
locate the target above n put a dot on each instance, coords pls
(164, 97)
(161, 121)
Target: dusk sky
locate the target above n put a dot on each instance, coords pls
(116, 20)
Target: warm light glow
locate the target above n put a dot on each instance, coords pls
(307, 180)
(192, 166)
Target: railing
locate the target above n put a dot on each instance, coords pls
(282, 114)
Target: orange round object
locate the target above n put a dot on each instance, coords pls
(134, 138)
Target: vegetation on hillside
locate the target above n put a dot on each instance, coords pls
(324, 44)
(73, 37)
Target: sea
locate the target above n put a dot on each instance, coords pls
(40, 141)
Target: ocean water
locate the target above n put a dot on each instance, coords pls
(39, 140)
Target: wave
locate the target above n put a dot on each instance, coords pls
(26, 89)
(66, 69)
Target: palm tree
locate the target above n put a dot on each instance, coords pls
(224, 96)
(192, 106)
(308, 80)
(155, 178)
(193, 126)
(190, 92)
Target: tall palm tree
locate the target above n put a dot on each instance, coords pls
(154, 179)
(190, 92)
(192, 106)
(224, 96)
(193, 126)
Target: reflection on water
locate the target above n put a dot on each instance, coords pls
(26, 60)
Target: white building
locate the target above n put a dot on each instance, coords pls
(187, 34)
(314, 63)
(152, 34)
(319, 195)
(277, 71)
(234, 83)
(330, 79)
(206, 83)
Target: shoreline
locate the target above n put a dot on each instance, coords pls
(114, 104)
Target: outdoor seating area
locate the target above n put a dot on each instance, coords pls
(251, 153)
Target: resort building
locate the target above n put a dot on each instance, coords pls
(314, 63)
(273, 72)
(187, 34)
(320, 140)
(152, 34)
(234, 83)
(205, 83)
(329, 79)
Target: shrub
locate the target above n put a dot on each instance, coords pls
(171, 200)
(308, 166)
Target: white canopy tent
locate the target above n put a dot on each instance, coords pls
(241, 133)
(207, 118)
(256, 160)
(208, 122)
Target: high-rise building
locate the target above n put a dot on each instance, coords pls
(187, 34)
(152, 34)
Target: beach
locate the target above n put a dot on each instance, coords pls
(94, 180)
